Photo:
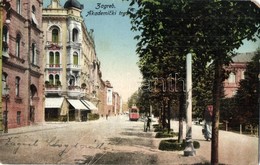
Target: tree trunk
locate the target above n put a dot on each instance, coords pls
(216, 104)
(164, 115)
(169, 115)
(181, 117)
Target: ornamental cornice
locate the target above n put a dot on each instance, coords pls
(75, 18)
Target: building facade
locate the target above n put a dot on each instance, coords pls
(72, 69)
(237, 70)
(22, 74)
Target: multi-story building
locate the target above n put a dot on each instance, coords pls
(237, 70)
(72, 69)
(22, 71)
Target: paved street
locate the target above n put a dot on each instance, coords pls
(113, 141)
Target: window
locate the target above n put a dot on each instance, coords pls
(75, 58)
(51, 58)
(4, 82)
(55, 35)
(18, 45)
(18, 118)
(5, 38)
(51, 79)
(17, 86)
(75, 34)
(33, 9)
(232, 78)
(34, 59)
(72, 81)
(57, 58)
(31, 114)
(57, 79)
(18, 6)
(34, 20)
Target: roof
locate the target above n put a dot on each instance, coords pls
(73, 3)
(244, 57)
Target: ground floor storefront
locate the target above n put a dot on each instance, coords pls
(61, 109)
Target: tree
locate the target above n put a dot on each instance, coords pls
(209, 29)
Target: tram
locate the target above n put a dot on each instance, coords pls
(134, 113)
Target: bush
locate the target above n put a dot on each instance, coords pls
(173, 145)
(160, 129)
(93, 116)
(165, 134)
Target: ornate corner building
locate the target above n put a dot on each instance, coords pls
(72, 69)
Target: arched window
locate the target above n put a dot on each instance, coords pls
(57, 58)
(17, 86)
(57, 79)
(75, 34)
(51, 58)
(75, 58)
(33, 91)
(34, 56)
(33, 9)
(18, 6)
(5, 38)
(51, 79)
(55, 35)
(34, 20)
(18, 45)
(72, 81)
(232, 78)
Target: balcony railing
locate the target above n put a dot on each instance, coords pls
(75, 91)
(54, 66)
(73, 67)
(52, 89)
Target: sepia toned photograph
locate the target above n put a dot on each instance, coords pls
(130, 82)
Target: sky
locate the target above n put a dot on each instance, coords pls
(115, 44)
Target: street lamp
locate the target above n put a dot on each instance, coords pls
(6, 89)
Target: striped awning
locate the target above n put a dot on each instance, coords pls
(54, 102)
(77, 104)
(90, 105)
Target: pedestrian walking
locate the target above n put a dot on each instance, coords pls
(148, 123)
(207, 127)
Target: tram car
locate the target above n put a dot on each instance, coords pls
(134, 113)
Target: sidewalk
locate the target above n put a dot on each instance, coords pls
(234, 148)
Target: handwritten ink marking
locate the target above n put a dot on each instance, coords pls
(63, 148)
(17, 145)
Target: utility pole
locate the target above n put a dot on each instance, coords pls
(189, 149)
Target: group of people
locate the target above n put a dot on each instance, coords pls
(207, 126)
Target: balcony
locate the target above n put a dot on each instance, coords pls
(53, 45)
(76, 91)
(52, 89)
(73, 67)
(53, 66)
